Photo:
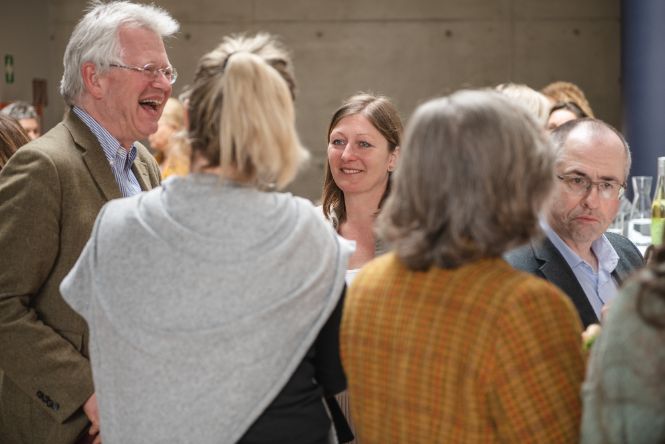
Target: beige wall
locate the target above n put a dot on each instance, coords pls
(410, 50)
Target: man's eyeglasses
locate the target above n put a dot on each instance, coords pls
(152, 71)
(581, 186)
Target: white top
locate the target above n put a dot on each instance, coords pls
(350, 275)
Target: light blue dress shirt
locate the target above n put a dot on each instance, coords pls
(599, 286)
(119, 158)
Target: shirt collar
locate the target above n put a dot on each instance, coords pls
(601, 247)
(110, 145)
(608, 258)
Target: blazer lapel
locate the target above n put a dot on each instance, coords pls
(556, 270)
(93, 156)
(622, 271)
(140, 170)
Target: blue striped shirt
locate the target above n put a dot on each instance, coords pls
(119, 158)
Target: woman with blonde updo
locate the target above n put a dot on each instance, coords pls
(237, 339)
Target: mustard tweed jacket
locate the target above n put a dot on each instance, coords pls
(478, 354)
(50, 193)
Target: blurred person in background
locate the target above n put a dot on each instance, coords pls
(623, 394)
(561, 91)
(12, 137)
(169, 141)
(27, 117)
(244, 319)
(535, 102)
(562, 112)
(442, 340)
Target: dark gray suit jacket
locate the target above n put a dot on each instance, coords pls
(542, 259)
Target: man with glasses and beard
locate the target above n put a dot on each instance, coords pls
(577, 254)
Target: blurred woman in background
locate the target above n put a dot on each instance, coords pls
(536, 103)
(169, 142)
(563, 112)
(12, 137)
(562, 91)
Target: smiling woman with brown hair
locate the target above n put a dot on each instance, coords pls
(363, 150)
(169, 142)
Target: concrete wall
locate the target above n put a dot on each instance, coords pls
(24, 33)
(411, 50)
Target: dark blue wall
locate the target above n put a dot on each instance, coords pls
(643, 78)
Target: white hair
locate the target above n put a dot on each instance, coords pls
(95, 38)
(535, 102)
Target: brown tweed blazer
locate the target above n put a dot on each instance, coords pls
(482, 353)
(50, 193)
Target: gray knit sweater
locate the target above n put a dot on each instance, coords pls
(202, 297)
